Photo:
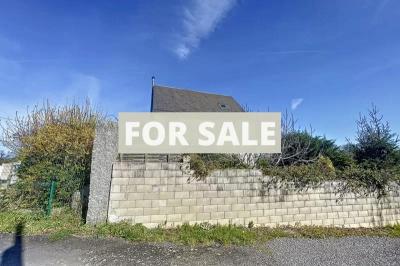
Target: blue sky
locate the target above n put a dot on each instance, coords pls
(324, 60)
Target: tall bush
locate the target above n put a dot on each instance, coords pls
(51, 141)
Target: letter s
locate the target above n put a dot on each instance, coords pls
(210, 138)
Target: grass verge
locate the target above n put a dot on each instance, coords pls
(65, 224)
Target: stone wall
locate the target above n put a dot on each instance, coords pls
(105, 151)
(161, 193)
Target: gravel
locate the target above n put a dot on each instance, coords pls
(337, 251)
(39, 250)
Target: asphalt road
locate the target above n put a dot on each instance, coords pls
(90, 251)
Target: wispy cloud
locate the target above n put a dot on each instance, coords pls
(296, 52)
(200, 19)
(376, 69)
(296, 102)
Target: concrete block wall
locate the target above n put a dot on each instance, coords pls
(162, 194)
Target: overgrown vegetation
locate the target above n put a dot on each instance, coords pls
(300, 146)
(64, 224)
(50, 141)
(204, 163)
(371, 164)
(302, 175)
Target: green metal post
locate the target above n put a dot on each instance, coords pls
(51, 195)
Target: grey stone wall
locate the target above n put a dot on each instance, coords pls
(161, 193)
(105, 151)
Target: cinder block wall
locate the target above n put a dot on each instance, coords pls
(160, 193)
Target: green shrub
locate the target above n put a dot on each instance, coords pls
(355, 179)
(202, 164)
(199, 167)
(50, 142)
(303, 175)
(365, 181)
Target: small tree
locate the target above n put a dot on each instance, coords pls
(295, 145)
(376, 153)
(302, 147)
(376, 145)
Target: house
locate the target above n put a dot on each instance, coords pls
(166, 99)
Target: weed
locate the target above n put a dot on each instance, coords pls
(66, 223)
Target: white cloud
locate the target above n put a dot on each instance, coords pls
(199, 20)
(296, 102)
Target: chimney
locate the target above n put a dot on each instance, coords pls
(153, 81)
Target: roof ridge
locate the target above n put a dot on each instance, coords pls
(190, 90)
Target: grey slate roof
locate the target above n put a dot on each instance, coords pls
(165, 99)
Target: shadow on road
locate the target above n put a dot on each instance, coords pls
(13, 255)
